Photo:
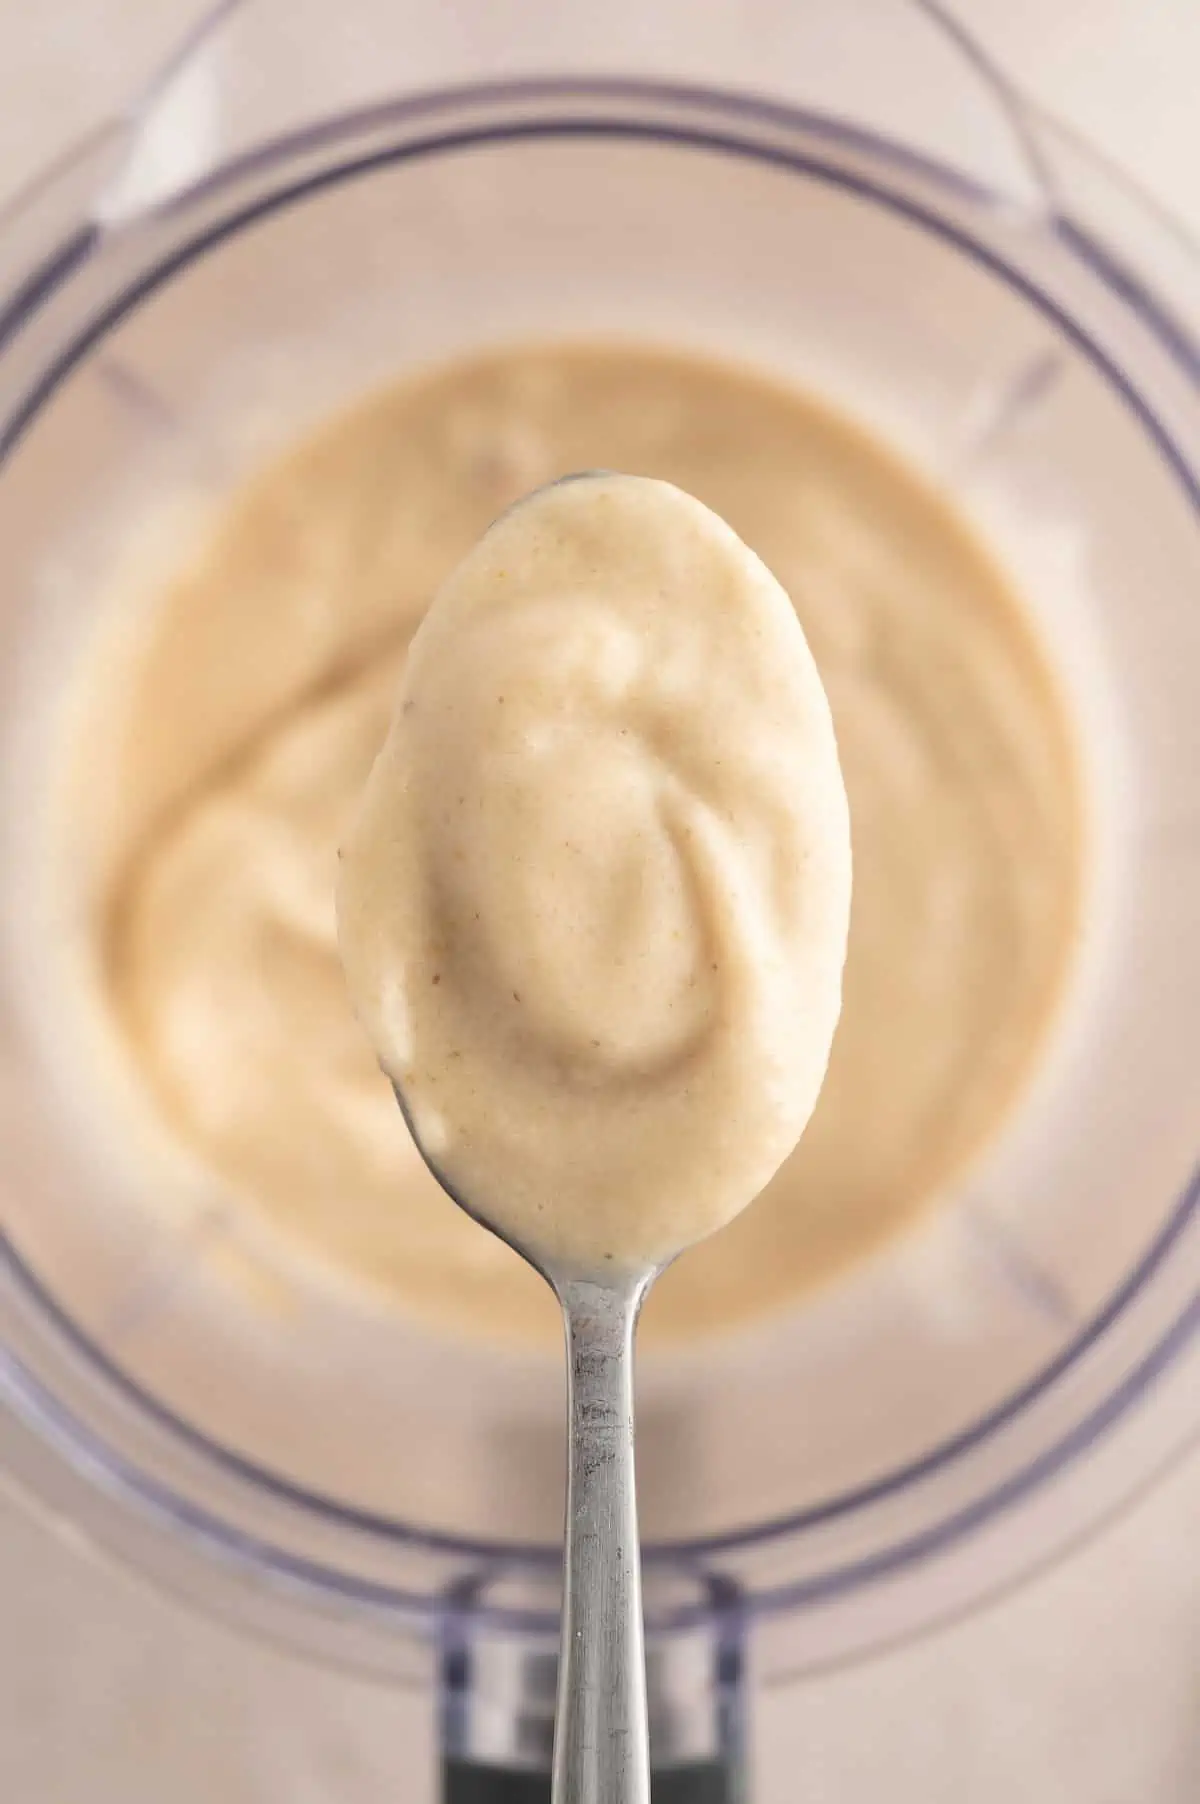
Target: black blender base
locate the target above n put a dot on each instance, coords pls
(705, 1782)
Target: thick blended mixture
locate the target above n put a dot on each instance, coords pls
(593, 908)
(223, 755)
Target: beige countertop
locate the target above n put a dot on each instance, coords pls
(1083, 1688)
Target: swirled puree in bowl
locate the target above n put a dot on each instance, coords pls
(593, 909)
(223, 740)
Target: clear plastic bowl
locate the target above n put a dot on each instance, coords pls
(179, 300)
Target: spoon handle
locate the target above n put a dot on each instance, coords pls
(601, 1751)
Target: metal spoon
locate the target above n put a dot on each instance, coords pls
(601, 1738)
(601, 1735)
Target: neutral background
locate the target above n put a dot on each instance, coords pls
(1082, 1689)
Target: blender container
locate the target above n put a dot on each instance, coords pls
(853, 197)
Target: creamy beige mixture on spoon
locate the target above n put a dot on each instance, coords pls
(593, 910)
(229, 718)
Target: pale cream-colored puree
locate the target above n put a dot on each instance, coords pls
(227, 763)
(593, 907)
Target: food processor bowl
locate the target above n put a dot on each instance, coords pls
(292, 215)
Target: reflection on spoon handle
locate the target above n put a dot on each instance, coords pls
(601, 1752)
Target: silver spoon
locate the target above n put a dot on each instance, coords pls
(601, 1733)
(601, 1736)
